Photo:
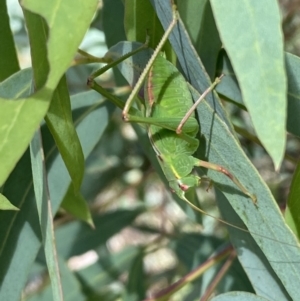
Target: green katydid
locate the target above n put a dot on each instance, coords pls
(169, 118)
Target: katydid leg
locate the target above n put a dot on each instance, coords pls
(116, 62)
(86, 58)
(223, 170)
(145, 72)
(114, 99)
(195, 105)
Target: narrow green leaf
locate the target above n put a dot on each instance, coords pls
(45, 213)
(141, 20)
(9, 63)
(38, 36)
(292, 213)
(60, 122)
(76, 205)
(199, 21)
(5, 204)
(19, 119)
(91, 115)
(262, 219)
(255, 48)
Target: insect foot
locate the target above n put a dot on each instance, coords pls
(90, 82)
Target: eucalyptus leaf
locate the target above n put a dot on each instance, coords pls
(252, 37)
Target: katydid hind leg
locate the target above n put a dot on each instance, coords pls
(227, 173)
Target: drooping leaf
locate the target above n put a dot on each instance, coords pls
(76, 205)
(60, 122)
